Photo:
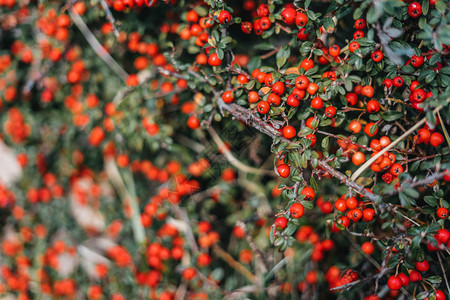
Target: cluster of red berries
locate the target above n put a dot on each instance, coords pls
(121, 5)
(16, 127)
(354, 210)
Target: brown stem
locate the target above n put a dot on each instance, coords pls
(234, 264)
(246, 116)
(95, 44)
(345, 139)
(259, 254)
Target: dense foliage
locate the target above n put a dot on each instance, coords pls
(209, 149)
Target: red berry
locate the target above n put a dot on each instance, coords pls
(301, 82)
(353, 46)
(289, 132)
(301, 19)
(368, 248)
(246, 27)
(443, 235)
(340, 205)
(214, 60)
(440, 295)
(352, 98)
(280, 222)
(301, 35)
(312, 138)
(436, 139)
(263, 107)
(394, 283)
(265, 23)
(228, 96)
(418, 95)
(317, 103)
(423, 136)
(417, 61)
(292, 101)
(387, 83)
(373, 106)
(360, 24)
(414, 276)
(422, 266)
(309, 193)
(224, 17)
(404, 279)
(283, 170)
(278, 88)
(377, 56)
(274, 99)
(288, 15)
(330, 111)
(442, 213)
(263, 10)
(296, 210)
(193, 122)
(414, 10)
(397, 81)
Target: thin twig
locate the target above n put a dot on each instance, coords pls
(447, 138)
(443, 272)
(182, 214)
(232, 159)
(425, 181)
(345, 140)
(234, 264)
(368, 257)
(110, 17)
(247, 116)
(391, 145)
(126, 192)
(259, 254)
(95, 44)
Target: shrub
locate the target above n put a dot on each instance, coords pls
(210, 149)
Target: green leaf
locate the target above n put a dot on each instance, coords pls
(431, 119)
(272, 234)
(285, 52)
(328, 24)
(264, 46)
(290, 229)
(281, 62)
(434, 279)
(404, 200)
(412, 193)
(348, 84)
(407, 69)
(431, 200)
(278, 241)
(440, 6)
(325, 142)
(311, 15)
(425, 6)
(391, 115)
(254, 63)
(373, 15)
(358, 63)
(357, 13)
(313, 183)
(433, 227)
(307, 204)
(249, 85)
(318, 52)
(268, 33)
(226, 40)
(305, 131)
